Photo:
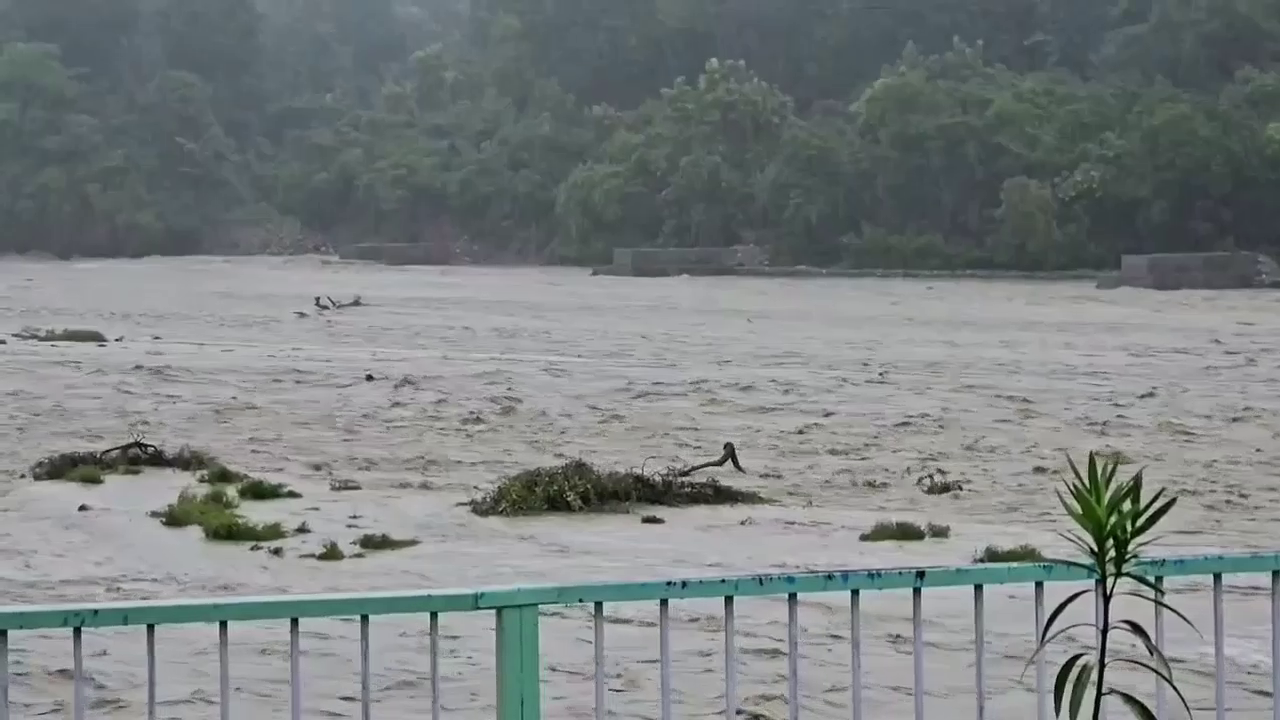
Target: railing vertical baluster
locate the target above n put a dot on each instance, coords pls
(518, 674)
(1042, 696)
(151, 672)
(1219, 651)
(77, 677)
(366, 690)
(1275, 644)
(664, 656)
(433, 624)
(4, 675)
(1097, 616)
(980, 642)
(793, 656)
(597, 622)
(295, 670)
(224, 672)
(1162, 705)
(855, 651)
(917, 649)
(730, 661)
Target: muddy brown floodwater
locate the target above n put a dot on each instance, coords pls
(824, 385)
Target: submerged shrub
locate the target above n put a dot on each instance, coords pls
(331, 552)
(219, 474)
(126, 459)
(383, 541)
(578, 486)
(904, 531)
(86, 474)
(65, 335)
(193, 508)
(214, 512)
(1018, 553)
(255, 489)
(232, 527)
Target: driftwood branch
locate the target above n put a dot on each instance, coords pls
(336, 304)
(141, 447)
(730, 455)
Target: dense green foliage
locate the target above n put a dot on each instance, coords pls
(1030, 134)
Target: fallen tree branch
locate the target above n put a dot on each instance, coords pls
(143, 449)
(730, 455)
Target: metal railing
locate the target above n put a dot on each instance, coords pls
(519, 663)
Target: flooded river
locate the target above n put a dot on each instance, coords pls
(829, 388)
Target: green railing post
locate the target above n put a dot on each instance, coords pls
(519, 685)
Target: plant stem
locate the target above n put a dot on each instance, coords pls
(1104, 629)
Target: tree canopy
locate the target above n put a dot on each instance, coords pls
(1019, 134)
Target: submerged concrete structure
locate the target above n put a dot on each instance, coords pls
(661, 262)
(399, 253)
(1195, 271)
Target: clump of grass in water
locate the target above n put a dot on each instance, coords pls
(214, 512)
(383, 541)
(233, 527)
(904, 531)
(255, 489)
(219, 474)
(331, 552)
(1018, 553)
(64, 335)
(193, 508)
(85, 474)
(579, 487)
(247, 486)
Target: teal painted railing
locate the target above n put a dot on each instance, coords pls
(519, 663)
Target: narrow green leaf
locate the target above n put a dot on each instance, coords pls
(1057, 612)
(1080, 544)
(1060, 682)
(1074, 470)
(1155, 517)
(1080, 688)
(1136, 706)
(1134, 628)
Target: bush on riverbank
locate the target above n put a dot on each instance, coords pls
(904, 531)
(580, 487)
(1016, 554)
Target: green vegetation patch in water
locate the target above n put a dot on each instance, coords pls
(580, 487)
(904, 531)
(1016, 554)
(215, 513)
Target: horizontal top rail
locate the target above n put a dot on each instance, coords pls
(281, 607)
